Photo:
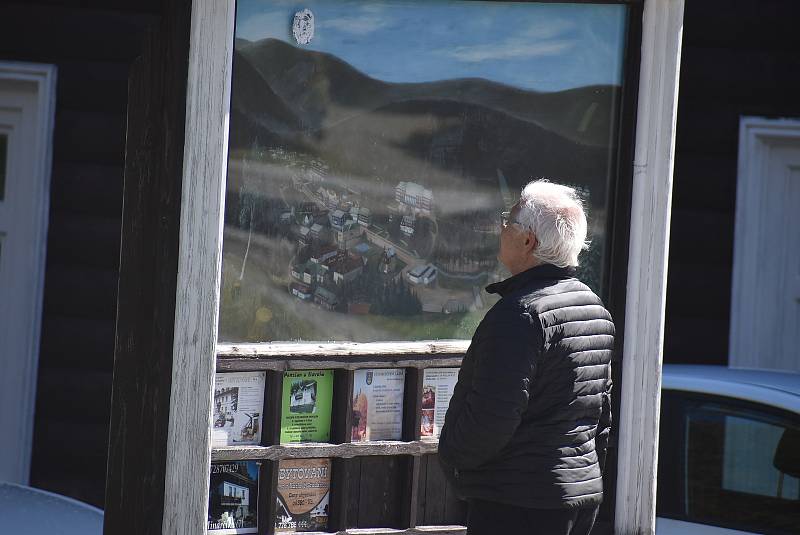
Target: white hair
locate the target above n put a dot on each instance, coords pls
(556, 216)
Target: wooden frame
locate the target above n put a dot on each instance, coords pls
(757, 136)
(183, 454)
(406, 455)
(21, 309)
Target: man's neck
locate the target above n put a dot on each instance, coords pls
(532, 263)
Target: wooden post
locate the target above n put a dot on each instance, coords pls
(637, 460)
(205, 166)
(143, 353)
(159, 446)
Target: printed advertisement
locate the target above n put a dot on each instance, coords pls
(378, 404)
(437, 388)
(306, 410)
(303, 495)
(233, 498)
(238, 406)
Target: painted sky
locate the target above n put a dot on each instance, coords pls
(546, 47)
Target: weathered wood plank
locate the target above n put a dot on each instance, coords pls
(408, 513)
(353, 467)
(267, 502)
(76, 343)
(662, 25)
(419, 530)
(380, 491)
(35, 32)
(341, 476)
(147, 285)
(289, 350)
(349, 356)
(87, 188)
(80, 397)
(89, 136)
(346, 363)
(83, 240)
(207, 106)
(341, 432)
(273, 398)
(313, 450)
(93, 85)
(434, 493)
(81, 292)
(412, 416)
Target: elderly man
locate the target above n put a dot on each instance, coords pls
(525, 435)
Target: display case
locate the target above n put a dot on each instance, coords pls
(327, 217)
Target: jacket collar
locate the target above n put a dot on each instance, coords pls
(523, 279)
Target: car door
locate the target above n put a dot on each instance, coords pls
(727, 466)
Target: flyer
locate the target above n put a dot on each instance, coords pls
(378, 404)
(306, 408)
(233, 498)
(238, 406)
(303, 495)
(437, 389)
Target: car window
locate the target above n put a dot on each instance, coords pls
(741, 467)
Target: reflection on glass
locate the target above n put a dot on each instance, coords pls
(741, 469)
(3, 160)
(368, 170)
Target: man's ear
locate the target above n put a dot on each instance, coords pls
(530, 241)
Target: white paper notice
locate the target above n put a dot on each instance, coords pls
(378, 404)
(437, 389)
(238, 408)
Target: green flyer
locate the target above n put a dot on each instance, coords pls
(306, 407)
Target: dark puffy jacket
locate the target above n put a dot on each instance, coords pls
(529, 419)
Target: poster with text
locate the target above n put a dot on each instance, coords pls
(437, 389)
(378, 404)
(238, 408)
(233, 498)
(303, 495)
(306, 412)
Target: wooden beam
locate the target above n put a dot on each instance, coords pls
(348, 356)
(199, 267)
(662, 26)
(419, 530)
(290, 350)
(143, 352)
(313, 450)
(345, 363)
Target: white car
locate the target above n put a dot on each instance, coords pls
(729, 451)
(28, 511)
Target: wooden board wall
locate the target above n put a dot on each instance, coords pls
(92, 44)
(740, 57)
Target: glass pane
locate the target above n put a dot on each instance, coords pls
(368, 167)
(742, 467)
(3, 164)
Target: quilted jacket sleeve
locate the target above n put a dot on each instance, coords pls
(486, 409)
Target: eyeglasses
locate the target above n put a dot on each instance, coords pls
(505, 219)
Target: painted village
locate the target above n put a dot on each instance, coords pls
(333, 248)
(372, 263)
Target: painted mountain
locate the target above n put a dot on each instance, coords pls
(436, 133)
